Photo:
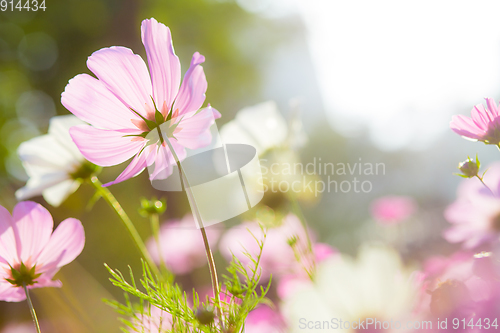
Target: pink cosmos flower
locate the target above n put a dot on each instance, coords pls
(126, 101)
(475, 215)
(393, 209)
(483, 126)
(463, 285)
(30, 253)
(182, 245)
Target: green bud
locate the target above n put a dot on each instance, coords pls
(292, 241)
(153, 206)
(469, 168)
(23, 276)
(205, 315)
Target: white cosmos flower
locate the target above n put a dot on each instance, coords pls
(376, 286)
(53, 163)
(263, 127)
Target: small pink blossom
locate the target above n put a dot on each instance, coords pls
(153, 320)
(483, 126)
(127, 101)
(264, 320)
(27, 245)
(181, 245)
(393, 209)
(278, 255)
(475, 215)
(292, 283)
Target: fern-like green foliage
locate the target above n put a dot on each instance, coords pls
(242, 294)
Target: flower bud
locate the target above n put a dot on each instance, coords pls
(153, 206)
(469, 168)
(205, 315)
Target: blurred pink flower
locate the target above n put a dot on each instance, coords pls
(393, 209)
(483, 126)
(30, 253)
(323, 251)
(463, 285)
(475, 215)
(181, 245)
(292, 283)
(153, 320)
(125, 103)
(278, 256)
(264, 320)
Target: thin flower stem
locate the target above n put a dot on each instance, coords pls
(481, 179)
(32, 309)
(196, 212)
(298, 212)
(155, 228)
(111, 200)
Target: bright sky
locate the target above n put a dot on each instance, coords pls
(402, 68)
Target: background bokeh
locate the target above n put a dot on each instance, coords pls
(255, 51)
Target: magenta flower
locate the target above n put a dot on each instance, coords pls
(393, 209)
(30, 253)
(181, 245)
(127, 101)
(475, 215)
(483, 126)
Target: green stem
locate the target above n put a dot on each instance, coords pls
(481, 179)
(111, 200)
(155, 228)
(298, 212)
(32, 309)
(194, 207)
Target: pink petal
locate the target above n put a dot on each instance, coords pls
(163, 63)
(165, 160)
(125, 74)
(466, 127)
(192, 93)
(65, 244)
(90, 100)
(9, 293)
(480, 117)
(136, 166)
(105, 147)
(492, 107)
(32, 226)
(8, 252)
(195, 131)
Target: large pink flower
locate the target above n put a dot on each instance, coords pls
(462, 285)
(30, 253)
(483, 126)
(475, 215)
(127, 101)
